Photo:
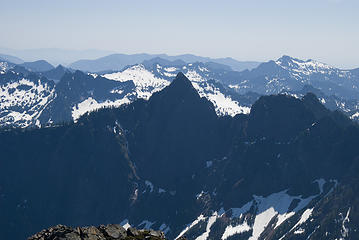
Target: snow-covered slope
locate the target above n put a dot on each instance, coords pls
(137, 81)
(302, 67)
(22, 100)
(219, 85)
(280, 215)
(90, 104)
(258, 217)
(152, 79)
(145, 81)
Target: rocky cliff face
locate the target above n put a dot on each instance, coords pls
(108, 232)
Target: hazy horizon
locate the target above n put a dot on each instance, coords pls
(323, 30)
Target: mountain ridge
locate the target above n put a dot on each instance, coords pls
(119, 61)
(204, 174)
(231, 92)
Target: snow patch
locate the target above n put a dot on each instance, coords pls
(189, 226)
(299, 231)
(145, 81)
(355, 115)
(199, 195)
(90, 104)
(212, 219)
(193, 76)
(230, 230)
(4, 66)
(22, 101)
(305, 216)
(170, 69)
(125, 224)
(345, 230)
(224, 105)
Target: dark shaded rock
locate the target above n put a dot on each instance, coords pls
(156, 234)
(108, 232)
(71, 236)
(132, 232)
(93, 233)
(115, 231)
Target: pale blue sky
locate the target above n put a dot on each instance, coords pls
(326, 30)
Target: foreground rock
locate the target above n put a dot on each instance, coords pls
(109, 232)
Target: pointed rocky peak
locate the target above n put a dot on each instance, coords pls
(181, 78)
(181, 94)
(182, 85)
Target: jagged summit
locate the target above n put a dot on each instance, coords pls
(182, 99)
(181, 76)
(181, 79)
(181, 88)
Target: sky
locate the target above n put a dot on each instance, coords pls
(258, 30)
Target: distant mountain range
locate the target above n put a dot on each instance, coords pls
(12, 59)
(55, 56)
(32, 96)
(286, 170)
(119, 61)
(93, 60)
